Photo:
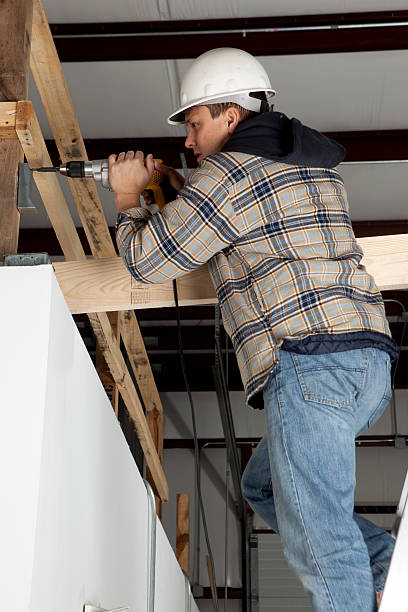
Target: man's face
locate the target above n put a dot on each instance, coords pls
(205, 134)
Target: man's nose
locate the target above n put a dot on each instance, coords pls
(189, 142)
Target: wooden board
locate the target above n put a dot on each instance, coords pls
(15, 38)
(53, 89)
(183, 532)
(32, 142)
(107, 284)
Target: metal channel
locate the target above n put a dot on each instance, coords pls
(187, 601)
(152, 552)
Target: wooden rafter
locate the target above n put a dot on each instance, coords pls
(51, 84)
(32, 143)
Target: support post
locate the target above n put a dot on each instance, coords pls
(15, 40)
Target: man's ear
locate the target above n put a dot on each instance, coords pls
(232, 118)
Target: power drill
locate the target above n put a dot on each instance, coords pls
(99, 170)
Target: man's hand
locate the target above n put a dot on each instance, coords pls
(176, 180)
(128, 176)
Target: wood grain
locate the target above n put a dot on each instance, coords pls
(55, 96)
(15, 38)
(32, 142)
(183, 532)
(107, 284)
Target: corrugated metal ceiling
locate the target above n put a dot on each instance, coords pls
(330, 92)
(78, 11)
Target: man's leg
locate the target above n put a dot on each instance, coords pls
(314, 412)
(258, 492)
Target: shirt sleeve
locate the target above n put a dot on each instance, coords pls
(199, 223)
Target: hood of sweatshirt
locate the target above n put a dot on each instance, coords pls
(278, 138)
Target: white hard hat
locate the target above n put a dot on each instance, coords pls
(222, 75)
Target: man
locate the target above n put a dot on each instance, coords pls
(269, 214)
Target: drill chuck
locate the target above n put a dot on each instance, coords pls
(97, 169)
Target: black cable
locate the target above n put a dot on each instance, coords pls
(404, 327)
(196, 449)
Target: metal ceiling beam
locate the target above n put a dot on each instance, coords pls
(360, 145)
(292, 35)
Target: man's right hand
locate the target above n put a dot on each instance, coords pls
(176, 180)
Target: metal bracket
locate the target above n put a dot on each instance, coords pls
(25, 187)
(27, 259)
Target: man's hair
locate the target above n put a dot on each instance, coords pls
(217, 109)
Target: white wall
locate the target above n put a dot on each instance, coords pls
(74, 513)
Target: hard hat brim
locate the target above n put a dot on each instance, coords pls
(178, 116)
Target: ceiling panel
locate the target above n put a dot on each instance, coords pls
(79, 11)
(376, 191)
(330, 92)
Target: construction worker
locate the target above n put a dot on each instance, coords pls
(268, 212)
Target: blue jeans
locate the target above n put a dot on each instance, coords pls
(301, 477)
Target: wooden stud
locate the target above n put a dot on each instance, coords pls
(114, 358)
(103, 370)
(51, 84)
(56, 99)
(15, 37)
(107, 284)
(139, 361)
(32, 142)
(183, 532)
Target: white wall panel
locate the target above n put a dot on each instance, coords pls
(74, 515)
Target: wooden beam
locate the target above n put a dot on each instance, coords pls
(114, 358)
(55, 96)
(103, 370)
(51, 84)
(139, 361)
(183, 532)
(33, 145)
(107, 284)
(32, 142)
(15, 37)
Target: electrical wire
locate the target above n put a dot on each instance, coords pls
(226, 559)
(404, 327)
(196, 449)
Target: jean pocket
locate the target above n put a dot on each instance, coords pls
(387, 394)
(333, 379)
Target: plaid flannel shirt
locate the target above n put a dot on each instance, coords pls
(280, 248)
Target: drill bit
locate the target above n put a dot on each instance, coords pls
(50, 169)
